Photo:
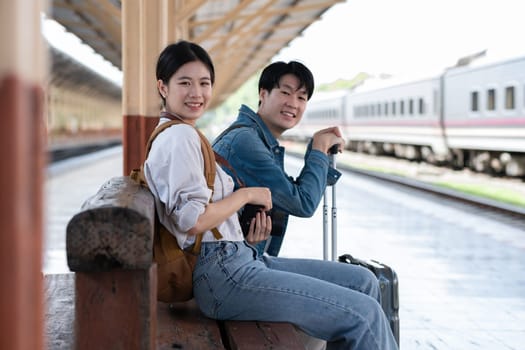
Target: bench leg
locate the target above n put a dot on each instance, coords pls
(116, 309)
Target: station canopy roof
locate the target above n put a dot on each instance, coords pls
(242, 36)
(68, 73)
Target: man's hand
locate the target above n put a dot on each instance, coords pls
(324, 139)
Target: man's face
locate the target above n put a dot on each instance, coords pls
(282, 108)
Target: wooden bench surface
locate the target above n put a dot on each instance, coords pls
(177, 323)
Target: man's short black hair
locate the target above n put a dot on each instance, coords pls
(271, 75)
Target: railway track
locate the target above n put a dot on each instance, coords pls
(441, 191)
(514, 213)
(59, 153)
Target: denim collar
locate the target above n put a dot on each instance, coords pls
(248, 116)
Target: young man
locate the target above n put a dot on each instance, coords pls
(250, 146)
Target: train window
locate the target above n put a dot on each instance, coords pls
(372, 110)
(421, 106)
(411, 106)
(393, 107)
(378, 109)
(474, 99)
(386, 108)
(401, 107)
(491, 99)
(509, 97)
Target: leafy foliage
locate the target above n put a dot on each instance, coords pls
(341, 84)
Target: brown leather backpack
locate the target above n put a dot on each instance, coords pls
(175, 265)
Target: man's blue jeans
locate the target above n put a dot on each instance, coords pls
(328, 300)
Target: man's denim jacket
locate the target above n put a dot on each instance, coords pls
(258, 160)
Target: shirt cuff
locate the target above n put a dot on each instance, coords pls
(332, 176)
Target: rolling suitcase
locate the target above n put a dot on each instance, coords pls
(388, 284)
(386, 276)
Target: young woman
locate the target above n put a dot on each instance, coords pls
(327, 300)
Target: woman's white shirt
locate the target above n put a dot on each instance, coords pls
(174, 171)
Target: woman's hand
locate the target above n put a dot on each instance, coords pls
(258, 196)
(260, 228)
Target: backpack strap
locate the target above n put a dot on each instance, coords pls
(209, 165)
(138, 174)
(224, 163)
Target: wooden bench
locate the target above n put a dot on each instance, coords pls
(110, 300)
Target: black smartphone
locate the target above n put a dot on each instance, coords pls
(248, 213)
(279, 219)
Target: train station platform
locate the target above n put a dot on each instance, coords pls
(461, 272)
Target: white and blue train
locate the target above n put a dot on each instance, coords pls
(466, 117)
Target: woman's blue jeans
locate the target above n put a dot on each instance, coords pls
(328, 300)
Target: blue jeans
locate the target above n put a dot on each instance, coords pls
(328, 300)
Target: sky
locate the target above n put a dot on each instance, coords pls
(407, 37)
(396, 37)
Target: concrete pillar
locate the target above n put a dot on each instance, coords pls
(22, 149)
(147, 26)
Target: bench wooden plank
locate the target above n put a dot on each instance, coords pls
(183, 326)
(114, 229)
(115, 310)
(262, 336)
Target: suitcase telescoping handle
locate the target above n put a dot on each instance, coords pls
(331, 158)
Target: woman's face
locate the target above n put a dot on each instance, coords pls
(188, 92)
